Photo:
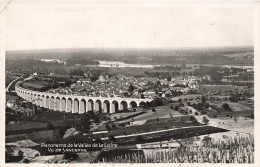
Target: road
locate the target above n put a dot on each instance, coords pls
(7, 89)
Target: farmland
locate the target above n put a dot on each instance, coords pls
(212, 151)
(205, 88)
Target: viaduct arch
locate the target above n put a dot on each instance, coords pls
(75, 103)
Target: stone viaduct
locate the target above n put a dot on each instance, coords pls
(76, 103)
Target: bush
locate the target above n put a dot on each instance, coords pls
(111, 137)
(196, 113)
(214, 116)
(203, 113)
(166, 127)
(107, 127)
(26, 161)
(205, 120)
(122, 125)
(114, 126)
(154, 110)
(226, 106)
(192, 118)
(49, 126)
(62, 131)
(70, 156)
(176, 108)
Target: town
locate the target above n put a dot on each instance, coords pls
(163, 107)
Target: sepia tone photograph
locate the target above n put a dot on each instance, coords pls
(133, 82)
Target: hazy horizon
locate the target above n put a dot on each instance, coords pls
(151, 48)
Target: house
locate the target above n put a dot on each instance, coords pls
(10, 103)
(250, 100)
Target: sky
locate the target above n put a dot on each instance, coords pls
(34, 26)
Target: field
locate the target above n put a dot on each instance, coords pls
(56, 119)
(59, 118)
(161, 111)
(152, 125)
(236, 108)
(223, 88)
(34, 85)
(10, 96)
(24, 127)
(37, 137)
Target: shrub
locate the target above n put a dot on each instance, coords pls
(203, 113)
(192, 118)
(26, 161)
(107, 127)
(49, 126)
(113, 126)
(226, 106)
(196, 113)
(111, 137)
(166, 127)
(205, 120)
(70, 156)
(176, 108)
(154, 110)
(122, 125)
(62, 131)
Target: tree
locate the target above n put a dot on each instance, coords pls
(154, 110)
(122, 125)
(84, 121)
(114, 126)
(111, 137)
(226, 106)
(70, 156)
(176, 108)
(131, 88)
(203, 99)
(205, 120)
(206, 139)
(192, 118)
(62, 131)
(107, 127)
